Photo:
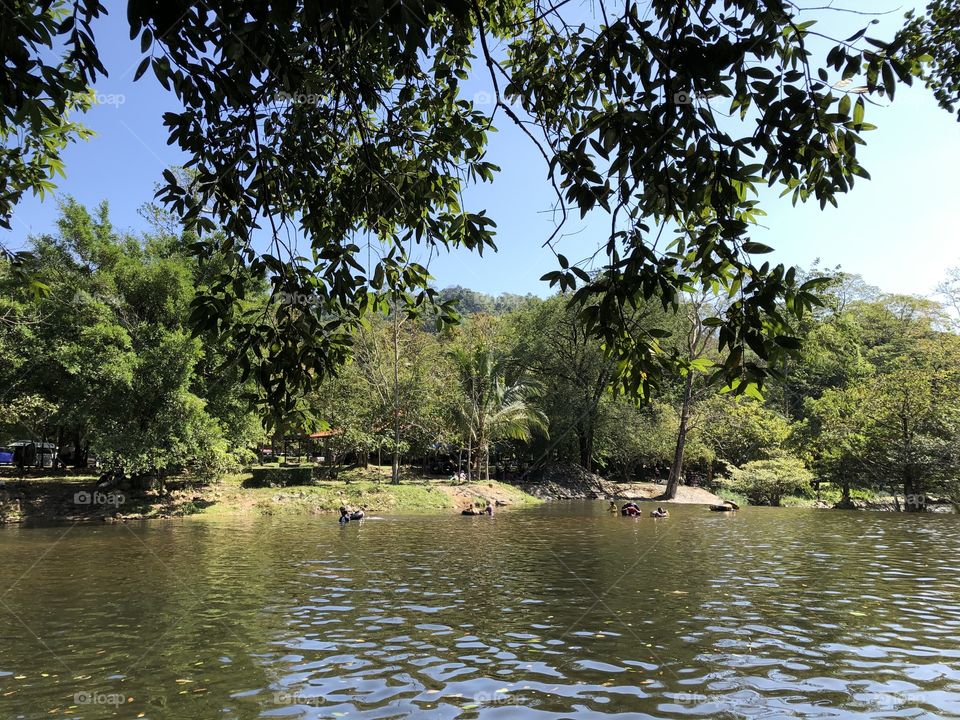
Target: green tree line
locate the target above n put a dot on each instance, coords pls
(102, 360)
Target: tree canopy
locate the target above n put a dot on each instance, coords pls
(344, 124)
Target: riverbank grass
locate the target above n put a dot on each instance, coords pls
(232, 495)
(47, 499)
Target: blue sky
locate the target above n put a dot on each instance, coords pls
(899, 230)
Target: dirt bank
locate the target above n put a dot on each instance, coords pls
(571, 482)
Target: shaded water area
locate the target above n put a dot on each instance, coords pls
(561, 611)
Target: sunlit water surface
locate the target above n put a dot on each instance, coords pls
(557, 612)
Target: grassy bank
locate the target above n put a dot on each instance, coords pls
(50, 498)
(412, 496)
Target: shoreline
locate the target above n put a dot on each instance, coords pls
(620, 492)
(565, 481)
(76, 499)
(64, 498)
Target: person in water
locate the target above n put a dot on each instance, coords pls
(489, 508)
(630, 509)
(346, 516)
(471, 511)
(659, 513)
(613, 507)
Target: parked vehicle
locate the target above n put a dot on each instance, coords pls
(28, 453)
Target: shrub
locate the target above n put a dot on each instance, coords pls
(725, 493)
(244, 457)
(797, 502)
(766, 482)
(270, 459)
(281, 476)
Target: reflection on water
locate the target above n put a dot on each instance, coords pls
(557, 612)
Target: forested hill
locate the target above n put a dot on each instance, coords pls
(470, 302)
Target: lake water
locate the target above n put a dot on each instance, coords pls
(561, 611)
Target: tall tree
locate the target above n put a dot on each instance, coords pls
(110, 347)
(695, 340)
(896, 424)
(570, 367)
(495, 405)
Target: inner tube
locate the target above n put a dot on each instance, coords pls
(355, 515)
(722, 508)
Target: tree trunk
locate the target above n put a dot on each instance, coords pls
(469, 459)
(913, 499)
(395, 474)
(60, 436)
(585, 444)
(676, 469)
(845, 502)
(481, 446)
(79, 455)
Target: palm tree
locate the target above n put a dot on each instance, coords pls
(493, 408)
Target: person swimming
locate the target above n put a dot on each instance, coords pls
(659, 513)
(630, 509)
(472, 511)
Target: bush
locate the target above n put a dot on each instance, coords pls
(281, 476)
(797, 502)
(270, 459)
(244, 457)
(766, 482)
(725, 493)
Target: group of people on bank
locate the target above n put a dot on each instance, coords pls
(631, 509)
